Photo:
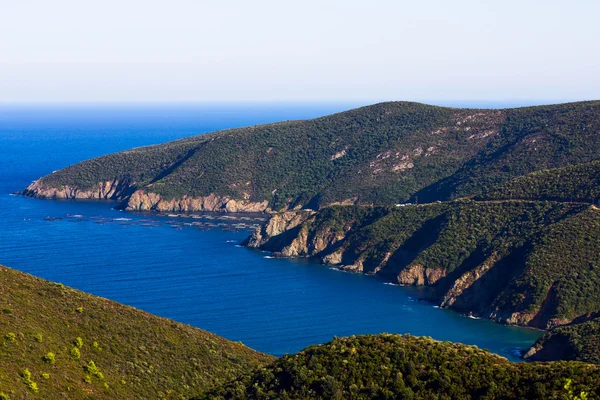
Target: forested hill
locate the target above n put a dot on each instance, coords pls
(381, 154)
(405, 367)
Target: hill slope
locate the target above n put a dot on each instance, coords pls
(394, 367)
(381, 154)
(576, 183)
(525, 263)
(577, 341)
(58, 342)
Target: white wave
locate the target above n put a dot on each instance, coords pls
(121, 219)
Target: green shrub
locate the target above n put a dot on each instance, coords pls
(10, 336)
(26, 375)
(93, 370)
(49, 358)
(39, 338)
(78, 342)
(75, 353)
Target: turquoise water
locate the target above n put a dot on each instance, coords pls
(196, 276)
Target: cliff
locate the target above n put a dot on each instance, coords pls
(521, 263)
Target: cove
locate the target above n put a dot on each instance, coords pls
(199, 277)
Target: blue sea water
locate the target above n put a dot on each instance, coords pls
(199, 277)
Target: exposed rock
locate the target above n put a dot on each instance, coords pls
(465, 281)
(148, 201)
(277, 224)
(418, 275)
(111, 190)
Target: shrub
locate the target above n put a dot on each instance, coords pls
(49, 358)
(75, 353)
(10, 336)
(93, 370)
(26, 375)
(39, 338)
(78, 342)
(79, 309)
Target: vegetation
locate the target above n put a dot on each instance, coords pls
(405, 367)
(536, 259)
(577, 341)
(578, 183)
(382, 154)
(142, 356)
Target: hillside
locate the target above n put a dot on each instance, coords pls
(381, 154)
(577, 183)
(517, 262)
(393, 367)
(579, 341)
(58, 342)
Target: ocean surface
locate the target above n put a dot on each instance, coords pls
(198, 275)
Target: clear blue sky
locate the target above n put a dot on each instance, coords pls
(195, 50)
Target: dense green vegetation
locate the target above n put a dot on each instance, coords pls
(579, 183)
(56, 342)
(404, 367)
(381, 154)
(531, 263)
(531, 139)
(577, 341)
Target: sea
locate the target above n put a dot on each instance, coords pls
(194, 270)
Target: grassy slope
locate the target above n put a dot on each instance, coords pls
(544, 255)
(138, 354)
(394, 366)
(380, 154)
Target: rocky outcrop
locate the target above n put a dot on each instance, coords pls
(418, 275)
(465, 281)
(278, 224)
(110, 190)
(147, 201)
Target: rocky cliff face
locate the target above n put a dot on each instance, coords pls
(147, 201)
(139, 200)
(111, 190)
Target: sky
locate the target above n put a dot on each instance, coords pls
(274, 50)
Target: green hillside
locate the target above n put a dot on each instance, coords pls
(58, 342)
(577, 341)
(578, 183)
(526, 263)
(381, 154)
(405, 367)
